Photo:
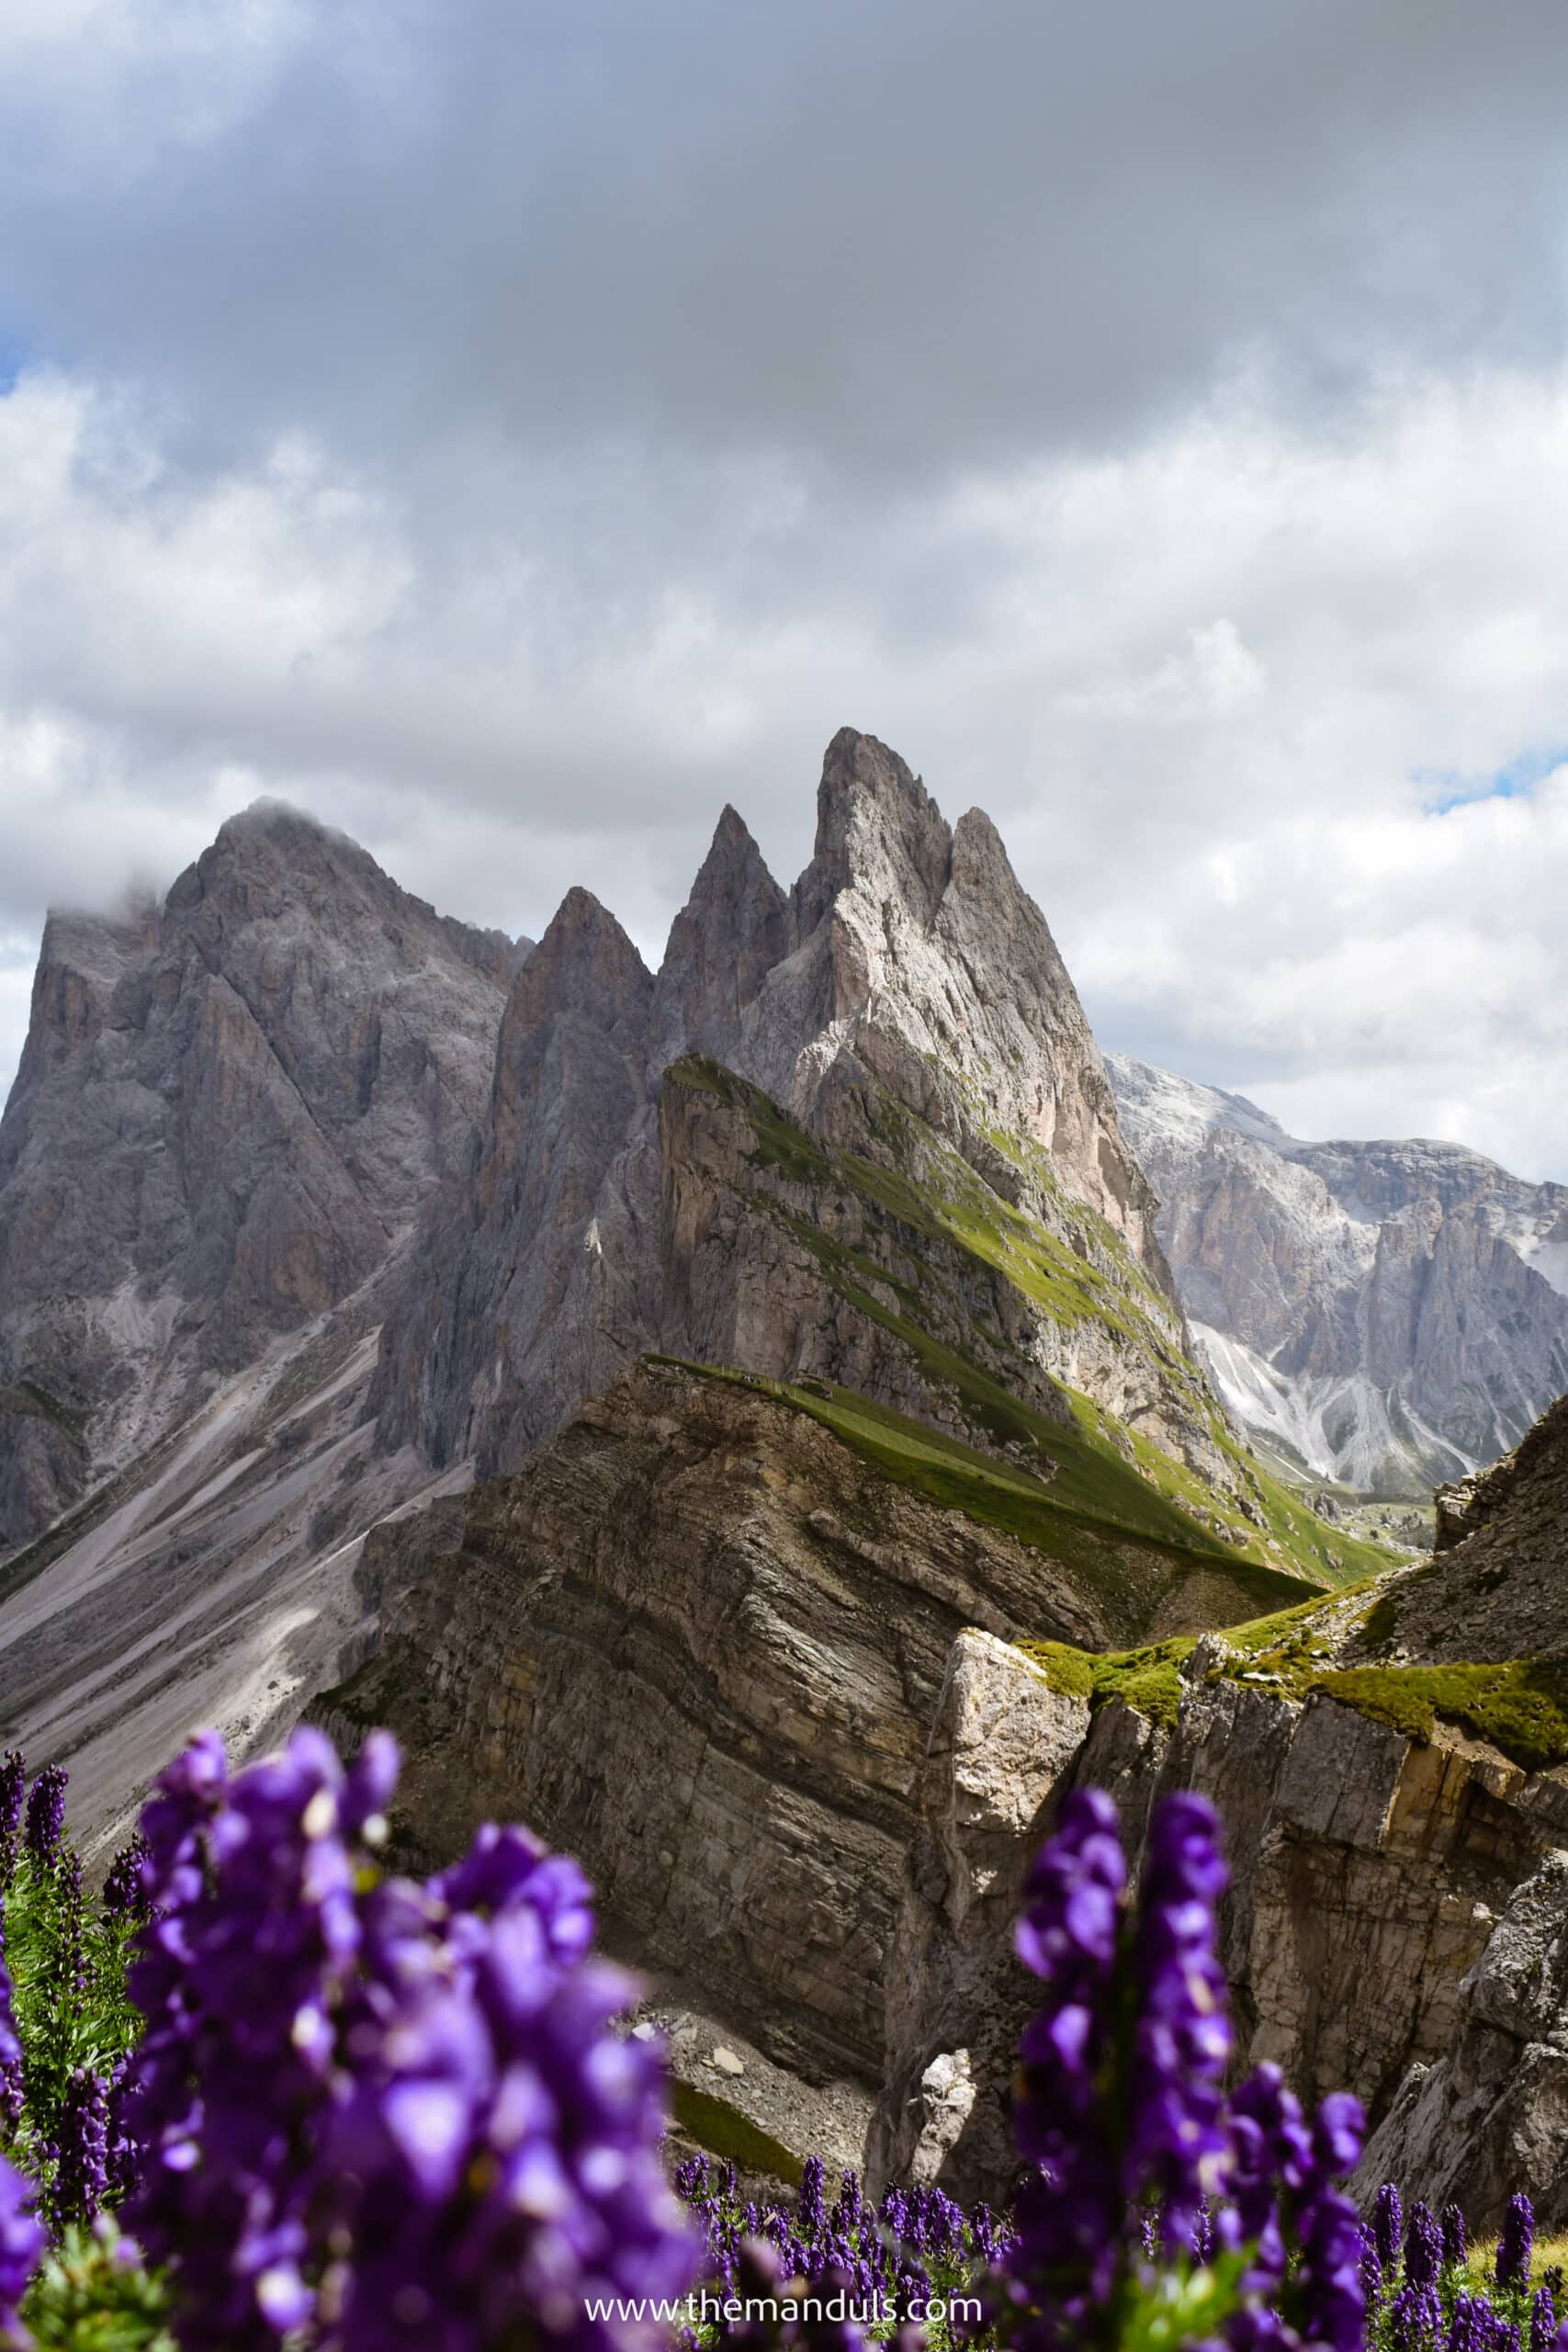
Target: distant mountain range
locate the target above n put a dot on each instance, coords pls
(1387, 1315)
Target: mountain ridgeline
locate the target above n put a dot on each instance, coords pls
(1385, 1315)
(858, 1133)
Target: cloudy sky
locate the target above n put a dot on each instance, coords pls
(509, 428)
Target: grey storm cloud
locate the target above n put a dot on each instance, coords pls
(880, 238)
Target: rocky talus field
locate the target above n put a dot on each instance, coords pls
(742, 1421)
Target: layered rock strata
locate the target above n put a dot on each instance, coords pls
(1371, 1871)
(698, 1641)
(775, 1702)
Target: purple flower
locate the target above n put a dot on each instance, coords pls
(11, 2078)
(401, 2114)
(811, 2208)
(1177, 2145)
(22, 2241)
(13, 1785)
(1513, 2248)
(1120, 2092)
(80, 2150)
(1388, 2225)
(46, 1816)
(125, 1895)
(1415, 2319)
(1455, 2237)
(1469, 2327)
(1282, 2188)
(1070, 2208)
(1423, 2247)
(1544, 2321)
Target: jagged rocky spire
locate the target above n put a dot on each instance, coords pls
(907, 966)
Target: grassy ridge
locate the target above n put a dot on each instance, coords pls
(1099, 1469)
(1519, 1706)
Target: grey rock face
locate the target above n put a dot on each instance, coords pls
(1388, 1314)
(906, 972)
(1491, 2112)
(241, 1562)
(540, 1279)
(698, 1642)
(227, 1113)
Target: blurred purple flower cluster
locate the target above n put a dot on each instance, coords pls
(381, 2114)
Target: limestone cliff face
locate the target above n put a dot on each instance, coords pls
(1388, 1314)
(1492, 2111)
(698, 1641)
(1371, 1875)
(229, 1111)
(922, 963)
(903, 1013)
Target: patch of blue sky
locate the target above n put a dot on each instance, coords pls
(1515, 782)
(14, 356)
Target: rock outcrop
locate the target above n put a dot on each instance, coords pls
(698, 1641)
(1497, 1587)
(229, 1111)
(1491, 2112)
(720, 1642)
(1383, 1314)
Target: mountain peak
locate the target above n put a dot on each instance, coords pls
(728, 937)
(585, 964)
(878, 827)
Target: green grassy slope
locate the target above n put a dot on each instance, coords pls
(1520, 1705)
(1099, 1468)
(1145, 1565)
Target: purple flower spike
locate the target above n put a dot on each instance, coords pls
(1388, 2225)
(1544, 2321)
(22, 2241)
(1120, 2092)
(1423, 2247)
(1072, 1894)
(13, 1787)
(1515, 2246)
(1176, 2143)
(386, 2116)
(81, 2151)
(46, 1816)
(125, 1895)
